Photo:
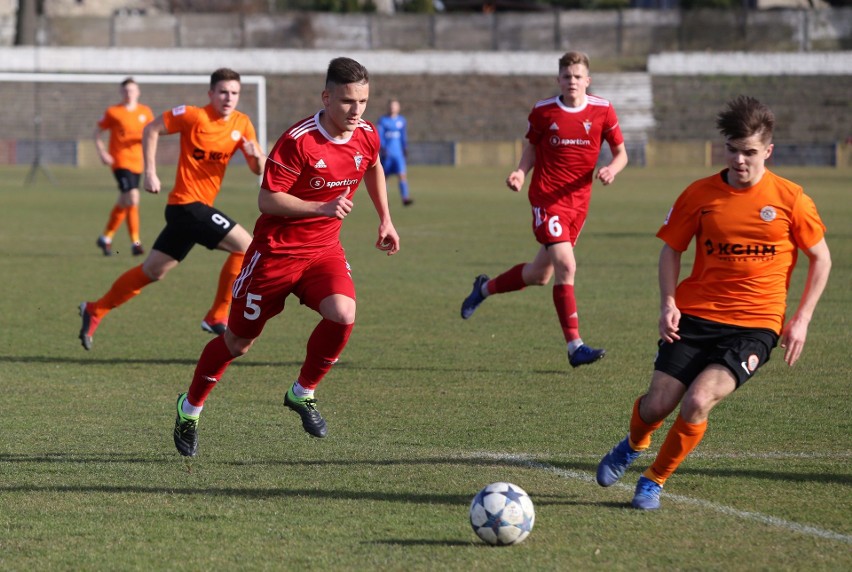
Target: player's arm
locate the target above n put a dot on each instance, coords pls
(668, 272)
(515, 180)
(607, 173)
(796, 330)
(287, 205)
(374, 178)
(255, 158)
(106, 158)
(150, 138)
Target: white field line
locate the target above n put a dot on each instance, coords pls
(523, 461)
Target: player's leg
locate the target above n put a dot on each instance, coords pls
(116, 215)
(403, 182)
(223, 233)
(258, 296)
(649, 412)
(518, 277)
(327, 288)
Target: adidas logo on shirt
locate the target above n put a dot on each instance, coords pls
(320, 165)
(554, 126)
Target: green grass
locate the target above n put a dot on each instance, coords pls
(424, 409)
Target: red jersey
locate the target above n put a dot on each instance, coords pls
(746, 245)
(207, 143)
(311, 165)
(125, 135)
(567, 144)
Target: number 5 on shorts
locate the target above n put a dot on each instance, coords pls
(252, 311)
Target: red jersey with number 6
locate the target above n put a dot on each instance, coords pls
(310, 164)
(567, 144)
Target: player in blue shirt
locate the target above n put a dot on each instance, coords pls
(392, 133)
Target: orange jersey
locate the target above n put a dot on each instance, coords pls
(746, 246)
(125, 135)
(207, 143)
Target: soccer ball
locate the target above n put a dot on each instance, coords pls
(502, 514)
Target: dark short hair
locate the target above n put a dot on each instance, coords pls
(127, 81)
(745, 116)
(342, 71)
(223, 74)
(572, 58)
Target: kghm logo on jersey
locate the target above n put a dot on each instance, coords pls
(727, 249)
(358, 158)
(768, 214)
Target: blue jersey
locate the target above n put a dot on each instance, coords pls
(392, 135)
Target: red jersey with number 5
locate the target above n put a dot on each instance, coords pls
(310, 164)
(567, 144)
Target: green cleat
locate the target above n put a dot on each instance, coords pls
(306, 407)
(186, 430)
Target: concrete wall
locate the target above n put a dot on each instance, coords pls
(633, 33)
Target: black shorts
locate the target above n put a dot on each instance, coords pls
(191, 224)
(127, 180)
(703, 342)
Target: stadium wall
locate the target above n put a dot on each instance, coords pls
(460, 109)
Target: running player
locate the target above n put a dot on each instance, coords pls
(209, 137)
(307, 190)
(719, 325)
(125, 123)
(564, 140)
(394, 138)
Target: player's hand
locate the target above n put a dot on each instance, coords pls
(605, 175)
(107, 159)
(515, 180)
(338, 208)
(251, 148)
(669, 322)
(388, 239)
(152, 183)
(793, 340)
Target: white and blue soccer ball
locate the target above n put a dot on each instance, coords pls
(502, 514)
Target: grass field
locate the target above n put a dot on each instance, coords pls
(423, 409)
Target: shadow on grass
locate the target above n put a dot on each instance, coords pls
(425, 542)
(247, 362)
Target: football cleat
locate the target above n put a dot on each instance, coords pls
(615, 463)
(88, 327)
(306, 407)
(647, 495)
(137, 249)
(104, 245)
(585, 355)
(186, 430)
(215, 328)
(475, 298)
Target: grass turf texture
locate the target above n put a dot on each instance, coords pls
(424, 409)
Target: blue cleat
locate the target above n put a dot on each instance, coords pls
(615, 463)
(647, 495)
(585, 355)
(475, 298)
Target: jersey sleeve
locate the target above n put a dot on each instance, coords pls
(807, 226)
(283, 166)
(681, 223)
(612, 129)
(105, 122)
(249, 134)
(179, 118)
(533, 133)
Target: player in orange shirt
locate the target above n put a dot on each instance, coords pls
(719, 325)
(209, 137)
(125, 123)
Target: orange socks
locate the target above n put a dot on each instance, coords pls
(116, 217)
(133, 223)
(221, 304)
(640, 432)
(682, 439)
(123, 289)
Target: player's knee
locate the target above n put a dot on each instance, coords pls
(236, 345)
(696, 406)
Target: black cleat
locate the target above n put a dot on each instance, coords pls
(105, 246)
(186, 431)
(88, 327)
(312, 421)
(137, 249)
(215, 328)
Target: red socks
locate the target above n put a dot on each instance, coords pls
(510, 281)
(566, 309)
(324, 347)
(212, 364)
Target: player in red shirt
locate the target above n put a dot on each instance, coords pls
(209, 137)
(125, 123)
(310, 178)
(719, 325)
(564, 140)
